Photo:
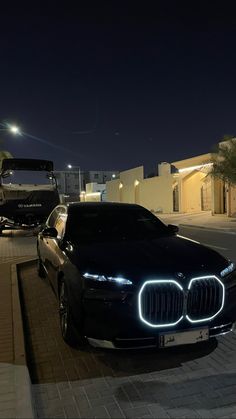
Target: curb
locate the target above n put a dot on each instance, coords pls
(219, 229)
(24, 399)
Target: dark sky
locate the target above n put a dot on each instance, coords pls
(113, 86)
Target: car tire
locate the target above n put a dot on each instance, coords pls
(40, 269)
(66, 321)
(1, 230)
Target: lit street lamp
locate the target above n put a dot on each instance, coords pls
(14, 129)
(11, 128)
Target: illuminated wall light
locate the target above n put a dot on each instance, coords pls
(157, 281)
(223, 297)
(93, 194)
(200, 166)
(136, 183)
(120, 185)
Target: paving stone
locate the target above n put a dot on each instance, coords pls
(135, 412)
(115, 411)
(158, 411)
(8, 413)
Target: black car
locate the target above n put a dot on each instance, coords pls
(124, 279)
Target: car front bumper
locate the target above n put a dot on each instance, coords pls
(112, 320)
(151, 342)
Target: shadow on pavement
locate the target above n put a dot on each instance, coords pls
(201, 392)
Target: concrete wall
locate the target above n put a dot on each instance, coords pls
(152, 193)
(123, 190)
(156, 193)
(113, 191)
(128, 177)
(191, 191)
(233, 201)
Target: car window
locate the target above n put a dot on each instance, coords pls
(60, 225)
(52, 218)
(95, 224)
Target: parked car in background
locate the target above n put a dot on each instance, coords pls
(124, 279)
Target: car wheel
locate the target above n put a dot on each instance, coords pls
(40, 269)
(1, 230)
(66, 322)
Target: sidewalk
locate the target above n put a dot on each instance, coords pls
(15, 386)
(201, 220)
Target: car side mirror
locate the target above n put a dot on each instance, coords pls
(173, 229)
(50, 232)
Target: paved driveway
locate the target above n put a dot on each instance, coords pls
(191, 381)
(17, 244)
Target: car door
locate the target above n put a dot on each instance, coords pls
(55, 253)
(44, 242)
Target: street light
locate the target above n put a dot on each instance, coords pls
(14, 129)
(11, 128)
(69, 166)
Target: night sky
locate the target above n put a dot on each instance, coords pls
(113, 87)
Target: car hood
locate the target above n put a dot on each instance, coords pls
(143, 259)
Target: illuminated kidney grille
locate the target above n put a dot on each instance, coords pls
(204, 298)
(162, 303)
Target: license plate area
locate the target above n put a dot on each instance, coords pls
(184, 337)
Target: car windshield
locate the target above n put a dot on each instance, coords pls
(114, 223)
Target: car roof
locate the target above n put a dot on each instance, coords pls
(99, 205)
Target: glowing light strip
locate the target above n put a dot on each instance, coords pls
(103, 278)
(93, 193)
(200, 166)
(157, 281)
(187, 238)
(223, 297)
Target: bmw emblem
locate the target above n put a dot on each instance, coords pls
(180, 275)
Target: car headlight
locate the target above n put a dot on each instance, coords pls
(103, 278)
(228, 270)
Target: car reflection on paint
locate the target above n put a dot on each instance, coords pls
(124, 279)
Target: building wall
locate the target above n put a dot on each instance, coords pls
(68, 182)
(195, 188)
(98, 176)
(193, 161)
(128, 181)
(129, 177)
(191, 192)
(156, 194)
(152, 193)
(113, 191)
(233, 201)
